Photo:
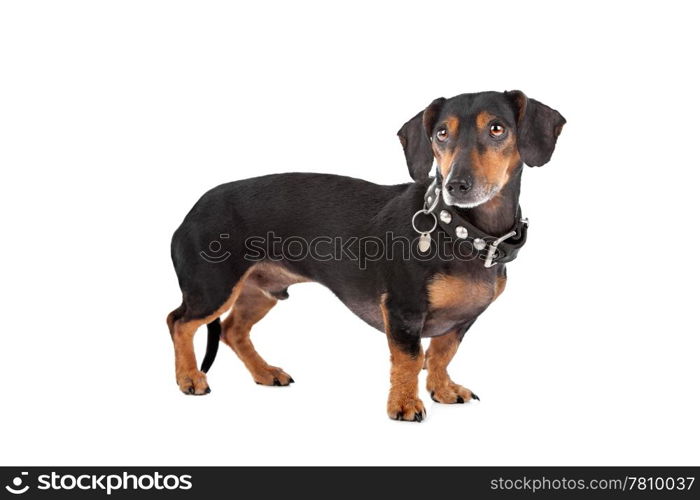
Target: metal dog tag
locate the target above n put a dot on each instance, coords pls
(424, 240)
(424, 243)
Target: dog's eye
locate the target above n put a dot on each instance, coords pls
(497, 130)
(441, 134)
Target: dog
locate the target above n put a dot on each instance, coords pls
(462, 226)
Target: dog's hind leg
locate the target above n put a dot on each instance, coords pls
(189, 378)
(182, 327)
(252, 304)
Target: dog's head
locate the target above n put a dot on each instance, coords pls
(479, 141)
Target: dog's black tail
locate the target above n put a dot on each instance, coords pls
(213, 334)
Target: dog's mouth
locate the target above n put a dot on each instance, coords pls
(478, 195)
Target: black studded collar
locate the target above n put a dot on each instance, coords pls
(492, 249)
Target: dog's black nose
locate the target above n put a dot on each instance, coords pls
(459, 186)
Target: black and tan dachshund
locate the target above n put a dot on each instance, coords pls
(416, 260)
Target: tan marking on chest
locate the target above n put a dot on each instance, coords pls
(448, 292)
(500, 286)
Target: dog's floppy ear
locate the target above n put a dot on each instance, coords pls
(414, 137)
(538, 128)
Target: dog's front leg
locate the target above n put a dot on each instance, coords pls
(441, 387)
(403, 327)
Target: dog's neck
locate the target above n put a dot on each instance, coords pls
(497, 215)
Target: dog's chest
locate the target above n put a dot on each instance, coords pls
(455, 299)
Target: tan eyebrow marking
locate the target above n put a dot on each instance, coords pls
(452, 125)
(483, 119)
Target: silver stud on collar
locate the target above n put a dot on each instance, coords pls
(445, 216)
(479, 244)
(461, 232)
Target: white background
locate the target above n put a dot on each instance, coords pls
(116, 116)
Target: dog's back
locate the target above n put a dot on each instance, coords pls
(235, 225)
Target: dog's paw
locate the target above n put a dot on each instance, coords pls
(451, 393)
(193, 382)
(272, 376)
(408, 409)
